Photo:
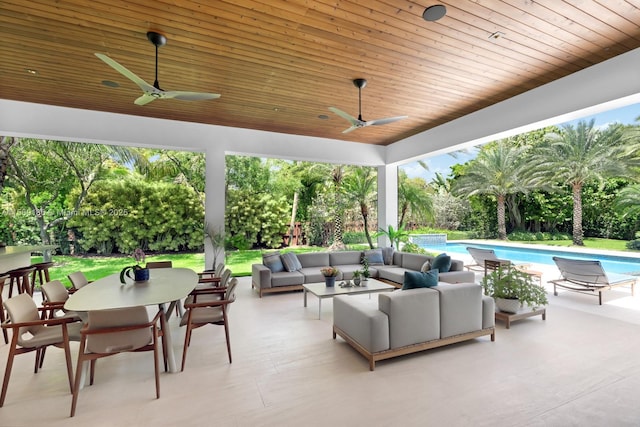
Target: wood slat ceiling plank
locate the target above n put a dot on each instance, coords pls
(466, 29)
(403, 46)
(610, 27)
(548, 26)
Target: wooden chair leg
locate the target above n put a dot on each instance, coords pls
(7, 370)
(2, 319)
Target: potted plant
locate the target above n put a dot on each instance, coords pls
(365, 269)
(329, 274)
(356, 277)
(139, 273)
(512, 289)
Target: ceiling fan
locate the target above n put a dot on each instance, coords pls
(359, 123)
(152, 92)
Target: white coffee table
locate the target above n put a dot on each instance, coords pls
(321, 290)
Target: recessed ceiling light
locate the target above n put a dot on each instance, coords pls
(31, 71)
(109, 83)
(435, 12)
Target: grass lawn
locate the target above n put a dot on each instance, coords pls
(589, 242)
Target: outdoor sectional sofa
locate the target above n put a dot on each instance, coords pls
(307, 270)
(413, 320)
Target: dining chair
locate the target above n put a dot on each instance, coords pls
(220, 283)
(203, 311)
(177, 304)
(78, 280)
(3, 280)
(208, 276)
(110, 332)
(54, 296)
(30, 333)
(159, 264)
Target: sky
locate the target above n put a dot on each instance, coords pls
(442, 164)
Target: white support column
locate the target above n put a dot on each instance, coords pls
(387, 200)
(215, 202)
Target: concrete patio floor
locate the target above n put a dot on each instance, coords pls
(580, 367)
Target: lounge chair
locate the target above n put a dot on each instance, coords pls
(588, 277)
(480, 256)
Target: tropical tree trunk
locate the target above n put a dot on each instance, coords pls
(577, 215)
(337, 244)
(294, 210)
(502, 229)
(365, 218)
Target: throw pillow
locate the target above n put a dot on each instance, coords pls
(374, 256)
(387, 255)
(291, 261)
(442, 262)
(420, 279)
(426, 266)
(273, 262)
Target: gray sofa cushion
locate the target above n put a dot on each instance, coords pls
(286, 278)
(414, 261)
(414, 315)
(314, 259)
(344, 258)
(387, 255)
(290, 261)
(392, 273)
(313, 275)
(460, 308)
(362, 321)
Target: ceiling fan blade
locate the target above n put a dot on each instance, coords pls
(146, 87)
(145, 99)
(352, 128)
(355, 122)
(189, 96)
(385, 121)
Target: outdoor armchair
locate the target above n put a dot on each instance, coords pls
(203, 310)
(109, 332)
(78, 280)
(30, 333)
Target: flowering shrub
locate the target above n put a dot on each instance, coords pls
(329, 271)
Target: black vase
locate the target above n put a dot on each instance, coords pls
(330, 281)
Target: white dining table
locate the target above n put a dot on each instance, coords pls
(165, 285)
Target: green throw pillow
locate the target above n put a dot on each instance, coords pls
(419, 279)
(442, 262)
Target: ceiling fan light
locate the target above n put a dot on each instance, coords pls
(435, 12)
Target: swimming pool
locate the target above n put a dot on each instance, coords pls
(611, 263)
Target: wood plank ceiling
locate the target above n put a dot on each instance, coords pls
(279, 64)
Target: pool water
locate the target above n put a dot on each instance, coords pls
(610, 263)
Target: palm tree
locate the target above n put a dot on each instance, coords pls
(498, 171)
(413, 197)
(360, 186)
(575, 156)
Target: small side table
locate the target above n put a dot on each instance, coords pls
(495, 264)
(509, 317)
